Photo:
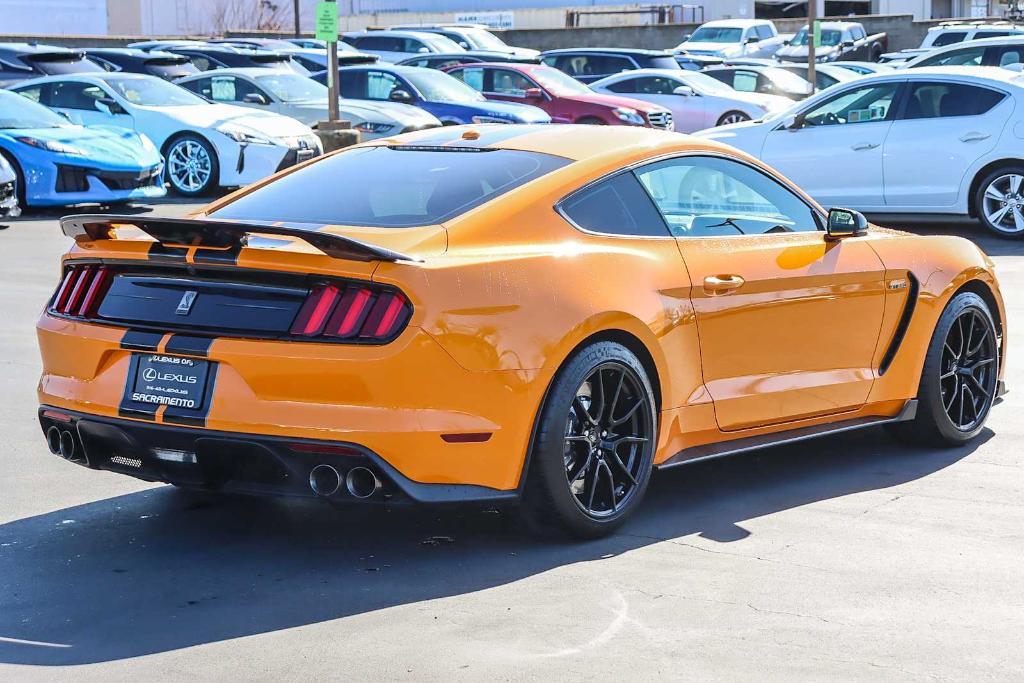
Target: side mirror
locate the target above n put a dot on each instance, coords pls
(686, 37)
(753, 39)
(793, 122)
(423, 50)
(255, 98)
(533, 93)
(847, 44)
(109, 106)
(400, 96)
(787, 41)
(685, 91)
(845, 223)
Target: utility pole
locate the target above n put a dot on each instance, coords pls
(812, 17)
(332, 70)
(295, 6)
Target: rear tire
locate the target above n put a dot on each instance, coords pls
(958, 383)
(191, 165)
(999, 201)
(732, 117)
(596, 434)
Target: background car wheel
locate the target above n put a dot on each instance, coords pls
(19, 179)
(732, 117)
(591, 121)
(958, 384)
(999, 201)
(596, 436)
(191, 165)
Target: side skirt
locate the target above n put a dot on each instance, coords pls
(753, 443)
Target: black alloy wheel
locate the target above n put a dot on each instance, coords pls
(968, 370)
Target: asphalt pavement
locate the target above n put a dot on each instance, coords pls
(847, 558)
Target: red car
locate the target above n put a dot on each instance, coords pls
(563, 97)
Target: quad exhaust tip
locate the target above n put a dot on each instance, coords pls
(361, 482)
(67, 445)
(324, 480)
(53, 440)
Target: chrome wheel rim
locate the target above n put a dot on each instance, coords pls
(608, 435)
(967, 376)
(1004, 203)
(189, 166)
(735, 117)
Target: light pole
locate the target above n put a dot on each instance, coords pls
(295, 6)
(332, 69)
(812, 16)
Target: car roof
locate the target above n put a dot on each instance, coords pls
(247, 71)
(985, 73)
(35, 48)
(222, 48)
(86, 77)
(610, 50)
(577, 142)
(740, 23)
(384, 32)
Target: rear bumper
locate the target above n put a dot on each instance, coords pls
(240, 463)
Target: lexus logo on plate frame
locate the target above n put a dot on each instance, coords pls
(185, 305)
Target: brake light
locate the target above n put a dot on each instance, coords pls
(81, 291)
(355, 311)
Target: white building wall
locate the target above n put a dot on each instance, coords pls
(73, 17)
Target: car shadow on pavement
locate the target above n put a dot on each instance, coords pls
(163, 569)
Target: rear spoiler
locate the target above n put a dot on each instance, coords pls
(185, 232)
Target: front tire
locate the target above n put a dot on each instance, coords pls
(191, 166)
(999, 201)
(594, 450)
(958, 383)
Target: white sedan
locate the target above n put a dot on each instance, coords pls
(306, 100)
(696, 100)
(203, 144)
(923, 141)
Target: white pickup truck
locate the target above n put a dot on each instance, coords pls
(733, 38)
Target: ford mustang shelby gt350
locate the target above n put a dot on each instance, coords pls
(531, 314)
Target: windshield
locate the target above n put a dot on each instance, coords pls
(559, 82)
(436, 184)
(18, 112)
(437, 86)
(716, 34)
(830, 37)
(63, 63)
(165, 67)
(153, 92)
(293, 88)
(485, 40)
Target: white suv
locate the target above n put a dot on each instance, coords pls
(952, 32)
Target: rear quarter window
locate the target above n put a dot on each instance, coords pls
(391, 187)
(615, 206)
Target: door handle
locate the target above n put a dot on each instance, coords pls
(722, 284)
(862, 146)
(974, 137)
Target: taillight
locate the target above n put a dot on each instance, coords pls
(81, 291)
(356, 311)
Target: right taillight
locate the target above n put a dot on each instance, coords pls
(81, 291)
(357, 311)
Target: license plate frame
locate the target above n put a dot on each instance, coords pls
(178, 382)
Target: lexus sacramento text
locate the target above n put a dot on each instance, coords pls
(538, 315)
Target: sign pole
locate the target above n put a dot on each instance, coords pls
(813, 40)
(327, 30)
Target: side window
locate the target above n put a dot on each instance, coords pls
(222, 89)
(33, 93)
(626, 85)
(555, 62)
(73, 95)
(473, 77)
(763, 31)
(744, 81)
(941, 100)
(595, 65)
(712, 197)
(991, 34)
(379, 85)
(413, 45)
(510, 83)
(860, 105)
(353, 84)
(202, 63)
(858, 33)
(615, 206)
(104, 64)
(201, 86)
(949, 38)
(656, 85)
(1010, 55)
(967, 56)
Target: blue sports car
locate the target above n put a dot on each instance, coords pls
(447, 98)
(57, 163)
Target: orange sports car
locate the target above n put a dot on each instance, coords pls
(531, 314)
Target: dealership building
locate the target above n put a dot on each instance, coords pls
(182, 17)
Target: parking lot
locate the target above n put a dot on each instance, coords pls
(846, 558)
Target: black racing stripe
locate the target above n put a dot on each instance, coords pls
(129, 408)
(188, 345)
(160, 252)
(194, 418)
(218, 256)
(136, 340)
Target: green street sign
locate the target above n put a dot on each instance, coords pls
(327, 21)
(817, 34)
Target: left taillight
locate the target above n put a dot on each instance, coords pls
(81, 291)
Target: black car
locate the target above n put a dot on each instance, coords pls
(443, 61)
(589, 64)
(21, 61)
(209, 57)
(767, 80)
(167, 66)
